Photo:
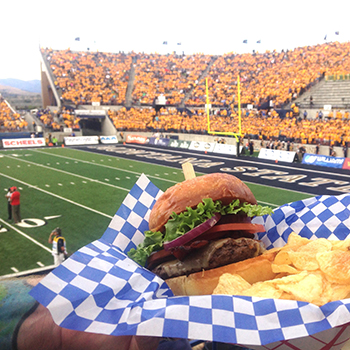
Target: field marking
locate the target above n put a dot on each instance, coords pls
(57, 196)
(71, 174)
(111, 167)
(217, 157)
(104, 166)
(158, 177)
(26, 236)
(254, 160)
(14, 269)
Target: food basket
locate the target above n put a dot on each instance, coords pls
(100, 290)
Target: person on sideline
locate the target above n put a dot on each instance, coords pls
(58, 242)
(9, 207)
(15, 204)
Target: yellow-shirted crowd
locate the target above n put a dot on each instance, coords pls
(276, 77)
(254, 124)
(86, 77)
(10, 120)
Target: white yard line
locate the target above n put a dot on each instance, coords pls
(57, 196)
(68, 173)
(26, 236)
(132, 172)
(102, 165)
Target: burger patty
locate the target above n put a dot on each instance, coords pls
(215, 254)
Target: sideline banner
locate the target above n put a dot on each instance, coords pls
(202, 146)
(109, 139)
(321, 160)
(30, 142)
(159, 141)
(136, 139)
(346, 164)
(275, 154)
(179, 144)
(81, 140)
(225, 149)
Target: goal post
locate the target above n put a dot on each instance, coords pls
(236, 135)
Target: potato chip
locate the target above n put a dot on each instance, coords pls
(304, 286)
(295, 241)
(316, 246)
(333, 292)
(304, 261)
(341, 245)
(231, 284)
(284, 268)
(335, 265)
(282, 258)
(315, 271)
(263, 290)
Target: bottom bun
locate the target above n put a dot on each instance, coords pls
(203, 283)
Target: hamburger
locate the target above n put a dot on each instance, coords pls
(201, 224)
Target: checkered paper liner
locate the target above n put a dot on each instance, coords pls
(100, 290)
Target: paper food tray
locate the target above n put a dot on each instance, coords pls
(100, 290)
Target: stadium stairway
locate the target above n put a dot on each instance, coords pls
(200, 78)
(130, 87)
(327, 92)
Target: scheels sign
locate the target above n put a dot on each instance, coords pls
(12, 143)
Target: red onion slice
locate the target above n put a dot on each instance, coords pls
(192, 234)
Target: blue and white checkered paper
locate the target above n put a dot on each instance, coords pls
(100, 290)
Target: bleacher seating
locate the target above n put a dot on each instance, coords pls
(86, 77)
(267, 79)
(9, 119)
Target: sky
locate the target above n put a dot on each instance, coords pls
(210, 27)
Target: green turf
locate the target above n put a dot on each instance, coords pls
(84, 190)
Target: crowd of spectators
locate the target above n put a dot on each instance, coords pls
(264, 125)
(56, 120)
(9, 119)
(86, 77)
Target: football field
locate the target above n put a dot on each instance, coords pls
(79, 192)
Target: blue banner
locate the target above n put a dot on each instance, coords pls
(321, 160)
(159, 142)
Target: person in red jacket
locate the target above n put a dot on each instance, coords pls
(15, 204)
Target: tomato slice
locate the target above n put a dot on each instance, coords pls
(219, 230)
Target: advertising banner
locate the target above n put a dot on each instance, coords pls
(225, 149)
(346, 164)
(81, 140)
(202, 146)
(136, 139)
(321, 160)
(159, 141)
(17, 143)
(109, 139)
(179, 144)
(275, 154)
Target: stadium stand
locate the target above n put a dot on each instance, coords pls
(277, 85)
(10, 120)
(86, 77)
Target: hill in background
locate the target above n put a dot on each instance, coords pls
(20, 99)
(30, 86)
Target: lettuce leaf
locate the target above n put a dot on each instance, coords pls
(179, 224)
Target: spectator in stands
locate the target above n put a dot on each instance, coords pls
(345, 150)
